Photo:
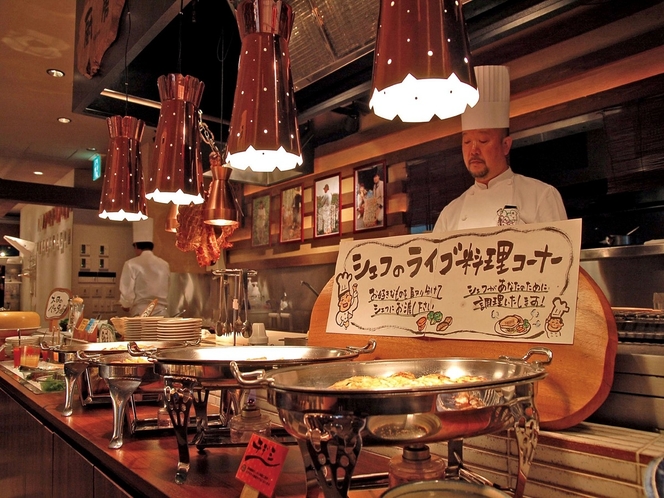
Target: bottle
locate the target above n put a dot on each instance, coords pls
(249, 421)
(415, 464)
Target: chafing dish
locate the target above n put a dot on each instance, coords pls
(189, 374)
(76, 368)
(332, 425)
(123, 373)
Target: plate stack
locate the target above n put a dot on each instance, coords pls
(179, 329)
(149, 326)
(133, 329)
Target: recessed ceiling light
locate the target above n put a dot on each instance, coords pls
(92, 149)
(38, 173)
(64, 120)
(56, 73)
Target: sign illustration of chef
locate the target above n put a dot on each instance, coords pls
(348, 299)
(554, 322)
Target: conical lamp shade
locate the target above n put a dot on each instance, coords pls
(123, 192)
(176, 165)
(422, 61)
(219, 207)
(263, 132)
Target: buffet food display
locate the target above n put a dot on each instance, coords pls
(332, 418)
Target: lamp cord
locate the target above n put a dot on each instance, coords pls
(126, 67)
(181, 14)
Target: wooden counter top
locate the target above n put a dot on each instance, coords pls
(145, 465)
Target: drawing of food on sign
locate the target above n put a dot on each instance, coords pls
(513, 283)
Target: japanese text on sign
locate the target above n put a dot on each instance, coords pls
(516, 283)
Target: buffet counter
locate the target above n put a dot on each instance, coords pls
(45, 454)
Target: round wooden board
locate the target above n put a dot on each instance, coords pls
(579, 378)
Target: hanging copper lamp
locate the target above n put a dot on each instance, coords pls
(176, 166)
(220, 205)
(422, 62)
(263, 132)
(123, 192)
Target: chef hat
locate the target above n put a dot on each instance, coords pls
(143, 230)
(493, 108)
(560, 307)
(343, 281)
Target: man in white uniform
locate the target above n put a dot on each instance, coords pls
(145, 277)
(499, 196)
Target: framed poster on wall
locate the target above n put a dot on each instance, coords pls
(327, 206)
(260, 221)
(369, 191)
(290, 226)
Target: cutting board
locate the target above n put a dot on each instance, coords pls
(579, 377)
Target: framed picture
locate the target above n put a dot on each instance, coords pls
(260, 221)
(369, 191)
(291, 215)
(327, 206)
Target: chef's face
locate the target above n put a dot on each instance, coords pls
(485, 152)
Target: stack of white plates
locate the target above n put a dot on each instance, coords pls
(149, 326)
(133, 329)
(179, 329)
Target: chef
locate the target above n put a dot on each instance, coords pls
(145, 277)
(499, 196)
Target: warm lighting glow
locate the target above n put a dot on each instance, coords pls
(422, 61)
(38, 173)
(123, 193)
(64, 120)
(219, 207)
(176, 166)
(56, 73)
(263, 132)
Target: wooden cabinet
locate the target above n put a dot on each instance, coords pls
(26, 452)
(73, 475)
(37, 463)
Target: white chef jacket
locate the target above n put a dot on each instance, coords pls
(510, 197)
(143, 279)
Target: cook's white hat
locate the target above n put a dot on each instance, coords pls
(493, 108)
(143, 230)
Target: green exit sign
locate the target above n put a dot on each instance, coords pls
(96, 167)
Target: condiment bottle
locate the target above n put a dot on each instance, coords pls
(415, 464)
(249, 421)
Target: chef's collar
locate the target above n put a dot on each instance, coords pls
(504, 176)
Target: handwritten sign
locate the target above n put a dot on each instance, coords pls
(516, 283)
(57, 304)
(261, 464)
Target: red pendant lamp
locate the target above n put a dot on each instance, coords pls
(176, 165)
(263, 133)
(422, 62)
(123, 193)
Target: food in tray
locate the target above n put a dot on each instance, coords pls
(402, 380)
(136, 359)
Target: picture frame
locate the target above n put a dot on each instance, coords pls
(369, 197)
(290, 226)
(260, 221)
(327, 206)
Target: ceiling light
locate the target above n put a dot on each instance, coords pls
(263, 132)
(38, 173)
(123, 193)
(176, 165)
(91, 149)
(64, 120)
(422, 61)
(56, 73)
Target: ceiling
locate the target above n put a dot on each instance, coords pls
(331, 52)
